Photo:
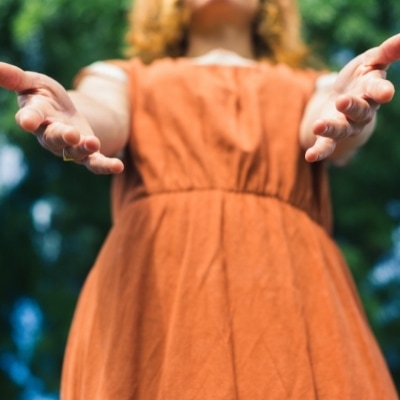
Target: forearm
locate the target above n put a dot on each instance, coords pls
(109, 125)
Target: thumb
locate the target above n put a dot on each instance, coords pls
(385, 54)
(14, 78)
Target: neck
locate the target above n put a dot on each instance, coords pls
(224, 37)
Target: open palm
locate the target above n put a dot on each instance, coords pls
(360, 88)
(47, 111)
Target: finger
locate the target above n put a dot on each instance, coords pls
(380, 90)
(385, 54)
(30, 119)
(85, 148)
(336, 128)
(96, 162)
(356, 109)
(102, 165)
(23, 82)
(57, 135)
(322, 149)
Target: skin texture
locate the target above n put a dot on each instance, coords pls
(341, 119)
(89, 136)
(221, 24)
(91, 124)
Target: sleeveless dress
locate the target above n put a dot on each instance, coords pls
(219, 279)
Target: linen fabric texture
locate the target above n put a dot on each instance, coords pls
(219, 279)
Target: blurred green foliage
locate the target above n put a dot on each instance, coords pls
(366, 193)
(49, 261)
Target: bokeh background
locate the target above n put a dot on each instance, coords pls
(54, 216)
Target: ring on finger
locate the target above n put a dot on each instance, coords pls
(65, 156)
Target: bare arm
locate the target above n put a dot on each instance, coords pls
(340, 118)
(103, 100)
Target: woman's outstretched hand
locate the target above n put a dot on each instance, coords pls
(346, 119)
(47, 111)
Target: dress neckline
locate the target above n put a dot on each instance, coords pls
(223, 57)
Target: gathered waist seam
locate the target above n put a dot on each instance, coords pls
(147, 195)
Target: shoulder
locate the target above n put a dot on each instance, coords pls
(135, 65)
(102, 70)
(283, 77)
(117, 70)
(108, 70)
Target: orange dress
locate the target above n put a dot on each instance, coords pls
(219, 279)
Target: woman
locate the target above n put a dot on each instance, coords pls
(219, 279)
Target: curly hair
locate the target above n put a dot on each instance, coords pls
(159, 28)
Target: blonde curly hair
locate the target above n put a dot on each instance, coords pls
(159, 28)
